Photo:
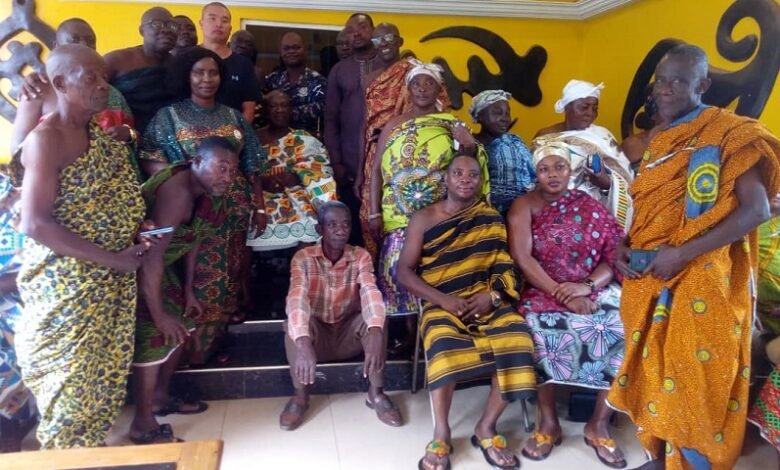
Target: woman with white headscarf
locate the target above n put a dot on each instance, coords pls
(415, 148)
(580, 107)
(509, 160)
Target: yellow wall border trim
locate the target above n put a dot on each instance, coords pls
(559, 10)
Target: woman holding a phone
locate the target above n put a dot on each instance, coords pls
(565, 244)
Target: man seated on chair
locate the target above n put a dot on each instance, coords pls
(469, 327)
(335, 312)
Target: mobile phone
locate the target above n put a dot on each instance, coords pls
(157, 231)
(594, 163)
(639, 260)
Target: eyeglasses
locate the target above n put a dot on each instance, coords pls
(158, 25)
(389, 37)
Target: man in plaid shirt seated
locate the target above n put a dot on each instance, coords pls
(334, 312)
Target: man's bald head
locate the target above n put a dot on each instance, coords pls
(75, 31)
(243, 43)
(387, 28)
(78, 76)
(388, 42)
(156, 13)
(68, 57)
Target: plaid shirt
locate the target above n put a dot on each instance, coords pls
(332, 292)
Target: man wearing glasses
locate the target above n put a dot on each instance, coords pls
(239, 88)
(138, 71)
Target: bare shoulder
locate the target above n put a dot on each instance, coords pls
(559, 127)
(44, 142)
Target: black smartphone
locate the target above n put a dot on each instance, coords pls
(639, 260)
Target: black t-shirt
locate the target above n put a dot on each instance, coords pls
(240, 83)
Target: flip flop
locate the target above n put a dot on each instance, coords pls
(541, 440)
(611, 446)
(498, 442)
(174, 407)
(439, 448)
(164, 431)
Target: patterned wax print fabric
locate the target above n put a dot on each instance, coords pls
(511, 168)
(692, 333)
(571, 237)
(75, 339)
(292, 214)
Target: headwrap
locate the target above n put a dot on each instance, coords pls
(575, 90)
(485, 99)
(420, 68)
(556, 148)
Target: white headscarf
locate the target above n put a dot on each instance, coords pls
(575, 90)
(420, 68)
(485, 99)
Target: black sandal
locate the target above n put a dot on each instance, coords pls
(162, 435)
(174, 407)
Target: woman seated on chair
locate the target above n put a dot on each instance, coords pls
(297, 179)
(469, 326)
(565, 243)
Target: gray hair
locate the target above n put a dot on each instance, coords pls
(329, 206)
(694, 54)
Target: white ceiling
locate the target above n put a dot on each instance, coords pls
(546, 9)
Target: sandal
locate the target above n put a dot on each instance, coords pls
(441, 450)
(497, 442)
(292, 415)
(174, 407)
(541, 439)
(162, 435)
(610, 446)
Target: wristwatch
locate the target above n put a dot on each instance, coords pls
(495, 298)
(590, 283)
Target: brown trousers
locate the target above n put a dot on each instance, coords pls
(335, 342)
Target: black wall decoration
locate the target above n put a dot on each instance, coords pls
(751, 86)
(518, 75)
(22, 19)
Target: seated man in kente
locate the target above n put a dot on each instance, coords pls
(335, 312)
(189, 197)
(455, 259)
(689, 264)
(296, 178)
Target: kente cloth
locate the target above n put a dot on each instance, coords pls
(398, 300)
(462, 256)
(572, 236)
(173, 136)
(145, 92)
(692, 333)
(307, 97)
(591, 141)
(208, 216)
(15, 397)
(75, 339)
(415, 157)
(386, 97)
(512, 172)
(765, 412)
(769, 275)
(292, 214)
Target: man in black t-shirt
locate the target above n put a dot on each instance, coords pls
(240, 89)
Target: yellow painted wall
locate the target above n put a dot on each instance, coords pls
(616, 43)
(608, 48)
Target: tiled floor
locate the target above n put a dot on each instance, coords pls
(342, 434)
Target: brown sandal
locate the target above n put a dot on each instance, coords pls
(610, 446)
(441, 450)
(541, 439)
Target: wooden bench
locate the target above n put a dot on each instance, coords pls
(195, 455)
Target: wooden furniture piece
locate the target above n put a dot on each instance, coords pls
(195, 455)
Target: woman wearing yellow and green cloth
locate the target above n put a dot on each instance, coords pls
(415, 149)
(765, 412)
